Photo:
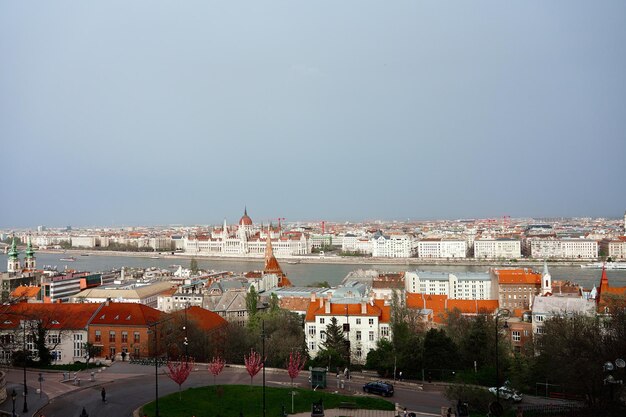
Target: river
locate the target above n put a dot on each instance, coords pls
(304, 273)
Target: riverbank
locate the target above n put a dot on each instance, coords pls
(327, 259)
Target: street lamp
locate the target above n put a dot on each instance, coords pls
(503, 313)
(13, 397)
(156, 362)
(25, 409)
(40, 383)
(186, 342)
(263, 359)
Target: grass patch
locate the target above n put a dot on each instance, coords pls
(230, 400)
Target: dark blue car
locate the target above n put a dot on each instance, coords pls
(379, 387)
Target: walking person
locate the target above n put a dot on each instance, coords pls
(103, 393)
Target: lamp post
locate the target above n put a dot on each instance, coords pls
(13, 397)
(186, 342)
(25, 409)
(40, 384)
(263, 359)
(156, 363)
(503, 313)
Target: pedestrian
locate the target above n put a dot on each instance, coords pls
(405, 413)
(103, 393)
(449, 413)
(400, 375)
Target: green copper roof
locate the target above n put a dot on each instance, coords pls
(29, 249)
(13, 252)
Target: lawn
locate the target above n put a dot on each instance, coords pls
(230, 400)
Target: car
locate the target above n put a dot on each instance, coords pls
(507, 393)
(379, 387)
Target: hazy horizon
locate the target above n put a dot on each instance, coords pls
(153, 112)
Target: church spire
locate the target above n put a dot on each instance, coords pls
(546, 280)
(29, 249)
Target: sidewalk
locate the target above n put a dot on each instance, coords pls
(55, 384)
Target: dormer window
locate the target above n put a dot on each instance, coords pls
(128, 318)
(55, 322)
(117, 317)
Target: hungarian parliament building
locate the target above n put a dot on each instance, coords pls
(246, 239)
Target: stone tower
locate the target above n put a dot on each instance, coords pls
(546, 280)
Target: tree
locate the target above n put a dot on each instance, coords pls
(179, 372)
(254, 363)
(274, 304)
(252, 299)
(440, 352)
(216, 366)
(91, 350)
(193, 266)
(334, 349)
(295, 365)
(381, 359)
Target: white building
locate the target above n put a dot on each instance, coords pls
(441, 248)
(563, 248)
(84, 241)
(615, 249)
(460, 285)
(246, 240)
(544, 308)
(354, 243)
(497, 248)
(365, 321)
(392, 246)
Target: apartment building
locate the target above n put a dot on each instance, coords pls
(392, 246)
(517, 287)
(365, 322)
(458, 285)
(500, 248)
(441, 248)
(566, 248)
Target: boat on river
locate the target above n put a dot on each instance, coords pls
(607, 265)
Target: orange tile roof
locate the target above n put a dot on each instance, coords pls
(440, 304)
(518, 276)
(57, 315)
(25, 292)
(378, 309)
(127, 314)
(206, 319)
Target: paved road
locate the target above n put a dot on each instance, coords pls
(129, 386)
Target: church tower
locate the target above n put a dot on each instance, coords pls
(546, 280)
(29, 262)
(13, 262)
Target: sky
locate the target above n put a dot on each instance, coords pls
(162, 112)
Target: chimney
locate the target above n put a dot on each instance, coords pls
(312, 297)
(363, 307)
(327, 306)
(321, 302)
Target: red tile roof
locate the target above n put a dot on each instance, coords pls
(127, 314)
(440, 304)
(57, 315)
(518, 276)
(206, 320)
(25, 292)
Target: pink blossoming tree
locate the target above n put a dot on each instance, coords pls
(254, 363)
(295, 365)
(216, 366)
(179, 372)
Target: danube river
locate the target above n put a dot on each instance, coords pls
(300, 274)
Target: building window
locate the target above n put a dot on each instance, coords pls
(371, 321)
(322, 335)
(124, 337)
(371, 337)
(112, 336)
(516, 336)
(384, 331)
(311, 330)
(321, 320)
(539, 318)
(312, 346)
(539, 330)
(358, 335)
(137, 352)
(98, 336)
(359, 352)
(136, 337)
(358, 321)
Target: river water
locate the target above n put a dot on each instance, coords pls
(301, 274)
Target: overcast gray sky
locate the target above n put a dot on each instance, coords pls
(157, 112)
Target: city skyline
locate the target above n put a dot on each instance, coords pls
(153, 113)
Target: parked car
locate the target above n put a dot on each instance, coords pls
(507, 393)
(379, 387)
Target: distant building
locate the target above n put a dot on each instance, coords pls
(392, 246)
(500, 248)
(441, 248)
(458, 285)
(517, 287)
(544, 308)
(614, 248)
(566, 248)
